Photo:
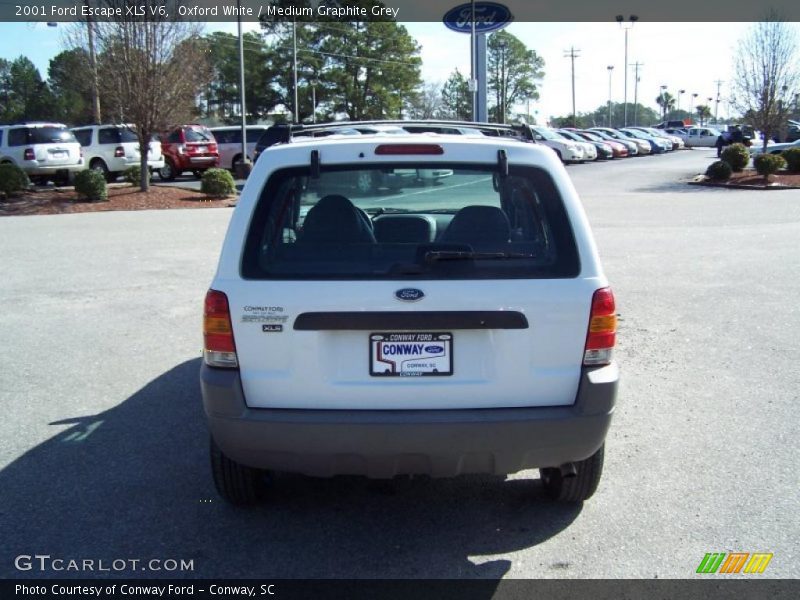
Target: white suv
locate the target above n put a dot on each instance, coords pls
(43, 150)
(462, 328)
(110, 149)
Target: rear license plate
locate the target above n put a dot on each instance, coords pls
(58, 154)
(201, 149)
(396, 354)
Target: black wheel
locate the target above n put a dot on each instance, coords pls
(198, 174)
(235, 163)
(236, 483)
(578, 488)
(100, 167)
(167, 172)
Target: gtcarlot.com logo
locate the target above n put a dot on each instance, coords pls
(46, 563)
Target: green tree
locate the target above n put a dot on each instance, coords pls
(703, 113)
(222, 94)
(6, 111)
(27, 97)
(513, 71)
(69, 77)
(667, 103)
(456, 97)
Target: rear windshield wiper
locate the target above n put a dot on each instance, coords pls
(438, 255)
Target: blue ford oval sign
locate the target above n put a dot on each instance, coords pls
(489, 16)
(409, 294)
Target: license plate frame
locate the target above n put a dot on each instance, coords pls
(411, 354)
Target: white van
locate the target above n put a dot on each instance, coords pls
(229, 143)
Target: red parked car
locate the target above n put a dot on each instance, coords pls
(188, 148)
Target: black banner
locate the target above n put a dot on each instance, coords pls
(393, 10)
(714, 588)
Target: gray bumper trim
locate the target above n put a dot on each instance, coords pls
(440, 443)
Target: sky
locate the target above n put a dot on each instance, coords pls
(689, 56)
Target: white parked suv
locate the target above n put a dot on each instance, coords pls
(110, 149)
(45, 151)
(466, 327)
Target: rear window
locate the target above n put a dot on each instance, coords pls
(425, 221)
(194, 134)
(116, 135)
(49, 135)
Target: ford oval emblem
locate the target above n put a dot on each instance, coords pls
(409, 294)
(489, 16)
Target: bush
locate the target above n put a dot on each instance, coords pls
(719, 171)
(12, 180)
(91, 185)
(792, 158)
(737, 156)
(767, 164)
(218, 183)
(133, 175)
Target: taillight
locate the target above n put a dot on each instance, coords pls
(29, 155)
(408, 149)
(119, 152)
(219, 349)
(602, 329)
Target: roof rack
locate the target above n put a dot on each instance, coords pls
(284, 132)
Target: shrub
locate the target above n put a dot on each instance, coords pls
(91, 185)
(737, 156)
(792, 158)
(218, 183)
(12, 180)
(719, 171)
(133, 175)
(767, 164)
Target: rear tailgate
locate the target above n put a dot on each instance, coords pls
(329, 368)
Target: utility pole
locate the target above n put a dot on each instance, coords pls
(719, 83)
(636, 66)
(93, 67)
(610, 69)
(294, 62)
(572, 54)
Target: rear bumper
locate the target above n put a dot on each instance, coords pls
(34, 168)
(382, 444)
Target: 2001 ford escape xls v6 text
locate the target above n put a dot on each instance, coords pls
(413, 326)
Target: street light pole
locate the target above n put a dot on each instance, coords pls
(572, 54)
(694, 99)
(680, 94)
(610, 69)
(244, 160)
(626, 26)
(503, 44)
(314, 100)
(294, 54)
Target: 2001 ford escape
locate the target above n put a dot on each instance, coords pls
(464, 326)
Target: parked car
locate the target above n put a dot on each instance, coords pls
(45, 151)
(567, 150)
(589, 149)
(188, 148)
(618, 149)
(229, 143)
(701, 137)
(110, 149)
(603, 151)
(642, 147)
(676, 142)
(658, 145)
(469, 329)
(773, 148)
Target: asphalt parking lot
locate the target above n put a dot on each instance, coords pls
(103, 445)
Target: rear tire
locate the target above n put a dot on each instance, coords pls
(236, 483)
(100, 167)
(167, 172)
(198, 174)
(578, 488)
